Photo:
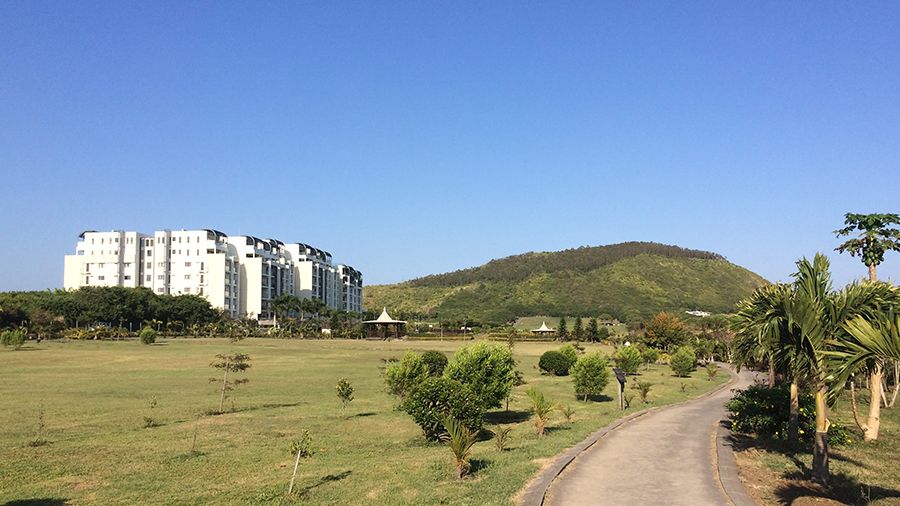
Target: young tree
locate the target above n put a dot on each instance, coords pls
(593, 332)
(488, 368)
(578, 329)
(590, 374)
(403, 376)
(460, 439)
(541, 408)
(344, 391)
(877, 234)
(14, 338)
(234, 363)
(666, 331)
(561, 331)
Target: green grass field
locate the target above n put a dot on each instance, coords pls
(95, 395)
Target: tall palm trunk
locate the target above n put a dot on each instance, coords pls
(793, 420)
(820, 445)
(771, 371)
(874, 422)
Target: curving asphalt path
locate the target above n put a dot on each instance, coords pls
(665, 457)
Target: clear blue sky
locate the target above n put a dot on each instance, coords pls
(421, 137)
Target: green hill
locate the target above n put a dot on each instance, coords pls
(628, 281)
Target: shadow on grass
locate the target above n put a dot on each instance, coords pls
(303, 492)
(556, 428)
(503, 417)
(44, 501)
(479, 465)
(362, 415)
(216, 412)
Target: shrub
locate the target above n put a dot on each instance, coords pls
(435, 361)
(436, 398)
(650, 355)
(344, 391)
(302, 445)
(628, 358)
(501, 438)
(765, 412)
(555, 363)
(571, 353)
(591, 374)
(148, 335)
(14, 338)
(683, 362)
(711, 370)
(664, 359)
(643, 388)
(541, 408)
(487, 368)
(460, 439)
(403, 376)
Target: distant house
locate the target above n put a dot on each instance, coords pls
(701, 314)
(543, 330)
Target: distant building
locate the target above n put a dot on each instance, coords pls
(241, 275)
(701, 314)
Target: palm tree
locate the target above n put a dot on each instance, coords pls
(460, 439)
(877, 235)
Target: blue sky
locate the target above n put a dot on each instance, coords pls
(421, 137)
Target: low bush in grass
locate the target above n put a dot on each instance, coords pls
(571, 353)
(14, 338)
(555, 363)
(628, 358)
(765, 412)
(435, 361)
(148, 335)
(650, 355)
(401, 377)
(489, 369)
(430, 402)
(683, 362)
(590, 374)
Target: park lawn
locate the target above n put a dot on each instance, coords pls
(94, 397)
(861, 473)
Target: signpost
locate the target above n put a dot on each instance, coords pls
(620, 376)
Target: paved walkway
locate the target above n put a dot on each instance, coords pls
(665, 457)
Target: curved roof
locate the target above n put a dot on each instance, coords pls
(543, 328)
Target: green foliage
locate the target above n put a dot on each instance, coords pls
(631, 285)
(14, 338)
(664, 359)
(578, 329)
(649, 355)
(628, 358)
(571, 352)
(435, 361)
(344, 391)
(460, 439)
(501, 437)
(555, 363)
(403, 376)
(711, 370)
(593, 331)
(148, 335)
(302, 445)
(567, 411)
(540, 408)
(590, 374)
(683, 362)
(562, 330)
(878, 233)
(765, 412)
(643, 388)
(234, 363)
(487, 368)
(666, 331)
(431, 401)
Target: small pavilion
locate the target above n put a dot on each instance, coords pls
(543, 330)
(382, 324)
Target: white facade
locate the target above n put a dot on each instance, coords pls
(240, 275)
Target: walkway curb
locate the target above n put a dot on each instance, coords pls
(726, 466)
(536, 491)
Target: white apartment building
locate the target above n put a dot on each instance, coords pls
(240, 275)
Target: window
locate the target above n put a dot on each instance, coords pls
(127, 277)
(87, 280)
(159, 290)
(100, 265)
(187, 264)
(149, 252)
(162, 264)
(161, 277)
(101, 278)
(187, 276)
(127, 265)
(149, 265)
(148, 278)
(187, 290)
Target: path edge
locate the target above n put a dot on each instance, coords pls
(536, 491)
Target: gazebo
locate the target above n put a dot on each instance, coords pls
(543, 330)
(382, 325)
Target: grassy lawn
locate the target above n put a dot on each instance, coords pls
(862, 473)
(95, 395)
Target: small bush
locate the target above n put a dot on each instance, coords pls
(541, 408)
(303, 445)
(664, 359)
(489, 369)
(650, 355)
(765, 412)
(591, 375)
(568, 412)
(148, 335)
(555, 363)
(403, 376)
(501, 437)
(643, 389)
(571, 353)
(14, 338)
(683, 362)
(434, 399)
(711, 370)
(628, 358)
(344, 391)
(435, 361)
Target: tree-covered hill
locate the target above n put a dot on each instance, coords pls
(628, 281)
